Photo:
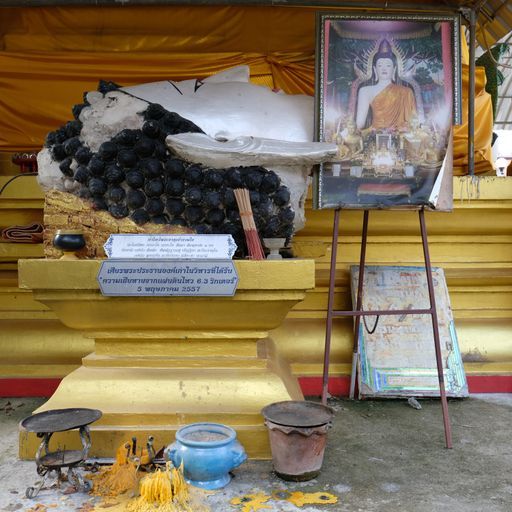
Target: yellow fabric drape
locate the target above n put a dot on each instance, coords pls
(49, 56)
(163, 29)
(52, 55)
(483, 121)
(39, 89)
(483, 127)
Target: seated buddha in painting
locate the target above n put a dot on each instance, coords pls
(383, 102)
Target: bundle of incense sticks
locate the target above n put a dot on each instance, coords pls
(251, 233)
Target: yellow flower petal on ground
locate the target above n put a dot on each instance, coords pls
(251, 502)
(300, 499)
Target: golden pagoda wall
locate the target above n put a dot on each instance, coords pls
(33, 343)
(473, 245)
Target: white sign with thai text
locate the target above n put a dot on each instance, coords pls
(150, 278)
(144, 246)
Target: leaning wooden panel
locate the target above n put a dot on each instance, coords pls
(396, 352)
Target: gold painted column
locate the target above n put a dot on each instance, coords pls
(34, 345)
(162, 362)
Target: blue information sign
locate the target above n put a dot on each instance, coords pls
(150, 278)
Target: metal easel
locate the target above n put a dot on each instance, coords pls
(358, 313)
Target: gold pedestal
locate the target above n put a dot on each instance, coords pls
(163, 362)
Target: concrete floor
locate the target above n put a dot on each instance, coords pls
(381, 456)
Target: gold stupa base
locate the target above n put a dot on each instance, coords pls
(141, 396)
(164, 362)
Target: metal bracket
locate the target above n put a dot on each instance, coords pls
(466, 13)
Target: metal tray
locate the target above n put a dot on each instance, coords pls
(60, 420)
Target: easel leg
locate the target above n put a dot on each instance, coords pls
(435, 328)
(330, 306)
(359, 305)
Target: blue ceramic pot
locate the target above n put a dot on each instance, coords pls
(209, 451)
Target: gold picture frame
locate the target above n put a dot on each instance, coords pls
(387, 94)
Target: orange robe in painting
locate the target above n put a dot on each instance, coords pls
(393, 107)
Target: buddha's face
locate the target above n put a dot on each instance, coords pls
(384, 69)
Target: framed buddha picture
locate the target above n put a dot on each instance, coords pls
(387, 94)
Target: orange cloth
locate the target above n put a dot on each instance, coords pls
(483, 121)
(38, 90)
(483, 127)
(50, 55)
(393, 107)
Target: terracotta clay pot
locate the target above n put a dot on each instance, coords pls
(297, 450)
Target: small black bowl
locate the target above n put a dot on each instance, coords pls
(69, 241)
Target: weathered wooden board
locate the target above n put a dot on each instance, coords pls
(398, 359)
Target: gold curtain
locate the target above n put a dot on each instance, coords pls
(483, 121)
(164, 29)
(50, 56)
(39, 89)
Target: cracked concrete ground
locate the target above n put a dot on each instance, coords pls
(381, 456)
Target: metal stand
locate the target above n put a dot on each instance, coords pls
(358, 313)
(47, 423)
(56, 462)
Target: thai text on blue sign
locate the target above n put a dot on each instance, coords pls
(118, 277)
